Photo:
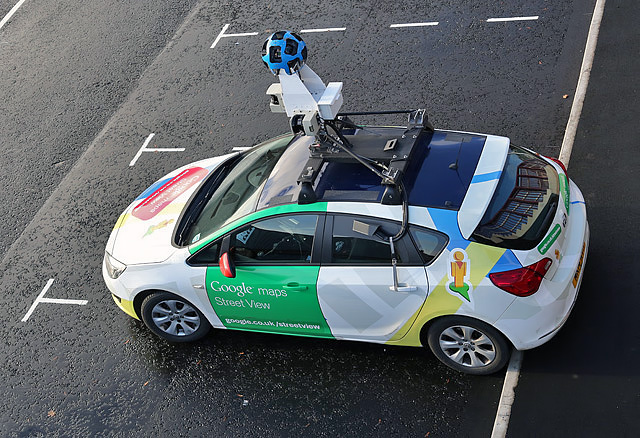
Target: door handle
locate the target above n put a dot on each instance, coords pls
(294, 286)
(403, 288)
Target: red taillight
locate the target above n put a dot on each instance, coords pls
(559, 163)
(523, 281)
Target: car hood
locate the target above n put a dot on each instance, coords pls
(144, 230)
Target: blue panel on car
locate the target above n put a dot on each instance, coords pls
(441, 171)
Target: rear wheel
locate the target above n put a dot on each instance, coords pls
(468, 345)
(173, 318)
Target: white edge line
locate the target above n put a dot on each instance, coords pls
(508, 395)
(38, 300)
(224, 29)
(144, 145)
(497, 20)
(583, 82)
(11, 12)
(430, 23)
(327, 29)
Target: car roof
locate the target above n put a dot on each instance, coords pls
(438, 174)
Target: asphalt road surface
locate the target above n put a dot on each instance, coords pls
(82, 85)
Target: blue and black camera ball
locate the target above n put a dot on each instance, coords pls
(284, 50)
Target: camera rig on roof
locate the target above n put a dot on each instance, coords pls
(313, 109)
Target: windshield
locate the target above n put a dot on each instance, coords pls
(523, 204)
(235, 193)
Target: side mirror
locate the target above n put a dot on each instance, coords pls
(227, 267)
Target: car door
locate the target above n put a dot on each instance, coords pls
(276, 263)
(355, 284)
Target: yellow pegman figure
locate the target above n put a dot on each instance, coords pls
(458, 269)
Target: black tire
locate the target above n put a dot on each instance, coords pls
(468, 345)
(173, 318)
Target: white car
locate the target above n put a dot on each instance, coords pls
(480, 249)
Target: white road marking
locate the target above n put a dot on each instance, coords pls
(430, 23)
(508, 396)
(583, 82)
(144, 145)
(224, 29)
(145, 149)
(229, 35)
(497, 20)
(41, 299)
(327, 29)
(11, 12)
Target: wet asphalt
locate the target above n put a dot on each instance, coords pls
(82, 86)
(586, 381)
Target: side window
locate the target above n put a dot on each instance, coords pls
(430, 243)
(359, 240)
(207, 256)
(278, 239)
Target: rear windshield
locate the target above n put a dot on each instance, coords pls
(523, 205)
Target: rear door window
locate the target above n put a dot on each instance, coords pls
(365, 241)
(429, 243)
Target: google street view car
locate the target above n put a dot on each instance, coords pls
(397, 235)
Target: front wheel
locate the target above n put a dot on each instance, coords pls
(468, 345)
(173, 318)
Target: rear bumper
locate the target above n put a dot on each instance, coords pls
(534, 320)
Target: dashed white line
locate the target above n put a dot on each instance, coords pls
(497, 20)
(326, 29)
(11, 12)
(145, 149)
(429, 23)
(41, 299)
(583, 82)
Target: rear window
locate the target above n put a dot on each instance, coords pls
(523, 205)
